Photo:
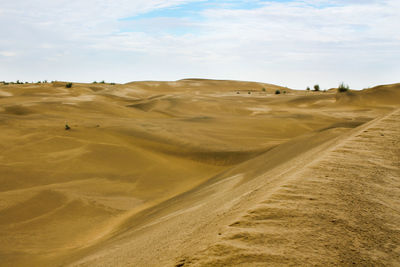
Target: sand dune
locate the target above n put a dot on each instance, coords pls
(198, 172)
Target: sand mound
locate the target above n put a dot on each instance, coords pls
(377, 96)
(196, 172)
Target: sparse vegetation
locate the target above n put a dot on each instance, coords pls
(112, 83)
(316, 87)
(343, 87)
(277, 92)
(68, 85)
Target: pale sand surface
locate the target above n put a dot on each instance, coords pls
(191, 173)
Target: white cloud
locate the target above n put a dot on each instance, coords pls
(7, 53)
(295, 43)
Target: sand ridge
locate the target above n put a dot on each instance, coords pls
(153, 173)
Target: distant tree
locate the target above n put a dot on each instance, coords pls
(343, 87)
(94, 82)
(112, 83)
(308, 88)
(277, 92)
(316, 87)
(102, 81)
(68, 85)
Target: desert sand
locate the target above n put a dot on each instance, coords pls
(198, 173)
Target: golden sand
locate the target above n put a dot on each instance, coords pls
(198, 173)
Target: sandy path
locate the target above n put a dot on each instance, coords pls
(342, 209)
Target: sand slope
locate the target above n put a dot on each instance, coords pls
(342, 209)
(199, 172)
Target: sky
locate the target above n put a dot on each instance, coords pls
(293, 43)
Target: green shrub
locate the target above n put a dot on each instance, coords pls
(68, 85)
(102, 81)
(94, 82)
(343, 88)
(316, 87)
(277, 92)
(263, 89)
(112, 83)
(308, 88)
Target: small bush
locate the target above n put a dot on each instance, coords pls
(343, 88)
(67, 127)
(68, 85)
(102, 81)
(316, 87)
(277, 92)
(263, 90)
(94, 82)
(308, 88)
(112, 83)
(284, 92)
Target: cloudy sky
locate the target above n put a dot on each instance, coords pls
(294, 43)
